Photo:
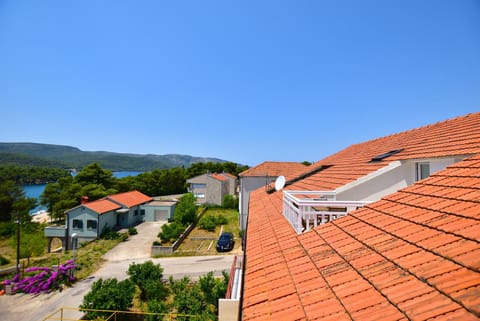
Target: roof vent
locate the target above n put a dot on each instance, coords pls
(385, 155)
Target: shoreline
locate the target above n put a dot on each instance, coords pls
(41, 217)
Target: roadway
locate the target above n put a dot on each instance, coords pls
(21, 307)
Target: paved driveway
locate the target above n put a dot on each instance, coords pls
(137, 246)
(23, 307)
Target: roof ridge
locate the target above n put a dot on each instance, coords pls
(430, 125)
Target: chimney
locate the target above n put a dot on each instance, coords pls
(84, 200)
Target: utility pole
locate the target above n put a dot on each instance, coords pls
(18, 244)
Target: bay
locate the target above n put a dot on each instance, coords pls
(34, 191)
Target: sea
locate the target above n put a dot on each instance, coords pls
(34, 191)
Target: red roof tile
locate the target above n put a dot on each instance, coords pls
(412, 255)
(274, 169)
(218, 177)
(130, 199)
(102, 206)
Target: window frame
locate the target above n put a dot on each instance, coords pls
(92, 227)
(77, 224)
(420, 170)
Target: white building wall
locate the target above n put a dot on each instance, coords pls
(248, 184)
(388, 180)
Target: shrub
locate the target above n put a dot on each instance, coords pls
(3, 260)
(207, 223)
(109, 234)
(132, 231)
(186, 210)
(210, 222)
(148, 277)
(7, 229)
(44, 279)
(156, 307)
(108, 294)
(171, 232)
(230, 201)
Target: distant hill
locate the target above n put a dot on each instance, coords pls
(34, 154)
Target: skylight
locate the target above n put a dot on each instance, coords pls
(385, 155)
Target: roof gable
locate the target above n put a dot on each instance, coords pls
(130, 199)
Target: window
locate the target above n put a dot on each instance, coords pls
(423, 170)
(142, 212)
(135, 213)
(200, 195)
(77, 224)
(198, 186)
(92, 224)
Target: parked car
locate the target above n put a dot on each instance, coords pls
(225, 242)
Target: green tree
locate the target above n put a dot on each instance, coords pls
(13, 202)
(213, 288)
(186, 210)
(108, 294)
(148, 277)
(93, 182)
(32, 243)
(95, 174)
(230, 201)
(199, 299)
(155, 306)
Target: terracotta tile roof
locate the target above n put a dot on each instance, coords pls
(218, 177)
(130, 199)
(454, 137)
(228, 175)
(413, 255)
(102, 206)
(275, 169)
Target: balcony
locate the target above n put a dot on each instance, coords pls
(308, 209)
(55, 231)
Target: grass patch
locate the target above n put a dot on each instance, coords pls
(203, 242)
(88, 257)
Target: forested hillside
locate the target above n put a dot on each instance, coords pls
(57, 156)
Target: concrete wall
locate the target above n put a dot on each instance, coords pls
(228, 309)
(216, 190)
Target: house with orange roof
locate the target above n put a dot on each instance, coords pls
(387, 229)
(87, 221)
(261, 176)
(211, 188)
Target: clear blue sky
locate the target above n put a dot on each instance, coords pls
(244, 81)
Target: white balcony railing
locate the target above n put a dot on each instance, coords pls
(308, 209)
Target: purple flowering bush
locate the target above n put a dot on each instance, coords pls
(43, 279)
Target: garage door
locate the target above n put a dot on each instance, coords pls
(161, 215)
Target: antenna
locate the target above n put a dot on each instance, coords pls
(279, 183)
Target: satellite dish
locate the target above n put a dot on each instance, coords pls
(279, 183)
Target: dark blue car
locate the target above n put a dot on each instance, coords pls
(225, 242)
